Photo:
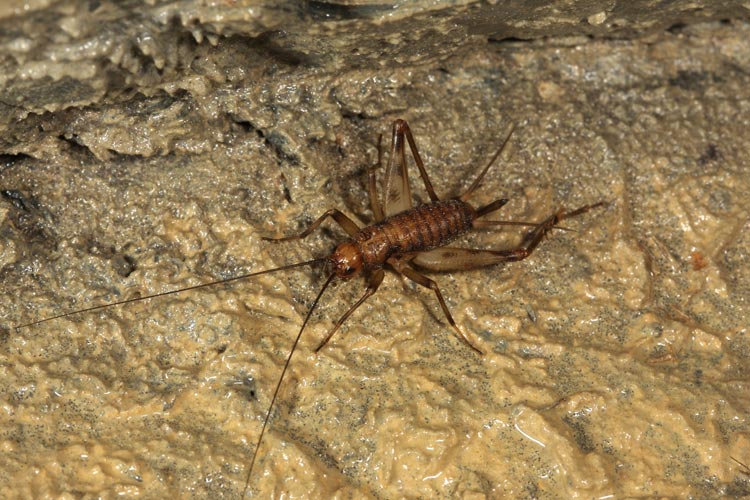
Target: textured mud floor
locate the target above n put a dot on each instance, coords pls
(616, 358)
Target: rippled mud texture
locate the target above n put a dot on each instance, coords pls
(143, 152)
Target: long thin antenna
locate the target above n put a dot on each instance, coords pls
(312, 262)
(281, 379)
(479, 178)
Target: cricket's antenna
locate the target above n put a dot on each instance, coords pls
(481, 175)
(281, 379)
(312, 262)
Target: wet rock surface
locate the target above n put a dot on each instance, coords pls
(147, 148)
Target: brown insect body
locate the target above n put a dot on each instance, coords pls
(417, 229)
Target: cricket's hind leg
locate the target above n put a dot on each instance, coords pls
(397, 191)
(461, 259)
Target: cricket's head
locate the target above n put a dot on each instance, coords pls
(346, 260)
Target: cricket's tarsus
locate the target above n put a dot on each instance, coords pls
(403, 238)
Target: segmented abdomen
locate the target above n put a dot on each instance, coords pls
(415, 230)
